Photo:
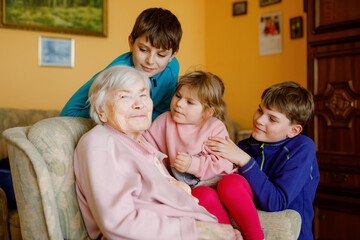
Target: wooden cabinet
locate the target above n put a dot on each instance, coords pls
(334, 78)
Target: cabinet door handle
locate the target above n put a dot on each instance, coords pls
(340, 179)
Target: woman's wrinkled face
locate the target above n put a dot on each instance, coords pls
(129, 109)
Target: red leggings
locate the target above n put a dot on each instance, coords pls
(235, 194)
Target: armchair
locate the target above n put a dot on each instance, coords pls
(41, 161)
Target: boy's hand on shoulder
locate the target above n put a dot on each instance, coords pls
(228, 149)
(182, 162)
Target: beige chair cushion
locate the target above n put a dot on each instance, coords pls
(283, 225)
(11, 117)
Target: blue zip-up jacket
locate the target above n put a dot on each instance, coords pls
(162, 89)
(283, 175)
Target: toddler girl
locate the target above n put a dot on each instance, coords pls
(196, 111)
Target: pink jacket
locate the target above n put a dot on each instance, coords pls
(169, 137)
(122, 195)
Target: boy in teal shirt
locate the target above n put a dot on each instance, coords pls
(154, 43)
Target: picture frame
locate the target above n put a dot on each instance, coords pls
(239, 8)
(66, 16)
(56, 52)
(305, 3)
(264, 3)
(296, 27)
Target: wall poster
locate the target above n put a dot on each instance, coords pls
(270, 35)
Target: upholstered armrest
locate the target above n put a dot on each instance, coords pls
(280, 225)
(283, 225)
(42, 171)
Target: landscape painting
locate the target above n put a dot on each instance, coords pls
(88, 17)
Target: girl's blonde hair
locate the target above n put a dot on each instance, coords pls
(210, 90)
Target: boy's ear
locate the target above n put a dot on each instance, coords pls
(131, 43)
(295, 130)
(173, 55)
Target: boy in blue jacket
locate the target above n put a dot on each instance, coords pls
(279, 164)
(154, 43)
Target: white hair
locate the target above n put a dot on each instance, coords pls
(115, 77)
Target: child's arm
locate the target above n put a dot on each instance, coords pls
(156, 134)
(205, 166)
(288, 176)
(275, 190)
(229, 150)
(77, 105)
(165, 89)
(208, 164)
(182, 162)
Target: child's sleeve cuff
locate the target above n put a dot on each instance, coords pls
(250, 165)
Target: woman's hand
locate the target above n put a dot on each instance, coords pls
(228, 149)
(182, 162)
(217, 231)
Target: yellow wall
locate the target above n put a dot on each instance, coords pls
(24, 84)
(213, 40)
(232, 52)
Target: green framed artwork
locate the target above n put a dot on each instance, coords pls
(85, 17)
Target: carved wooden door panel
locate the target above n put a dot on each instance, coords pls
(334, 79)
(336, 132)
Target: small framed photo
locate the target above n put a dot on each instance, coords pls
(264, 3)
(239, 8)
(296, 27)
(56, 52)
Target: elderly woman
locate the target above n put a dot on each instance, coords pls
(124, 190)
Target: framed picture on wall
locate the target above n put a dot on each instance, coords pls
(264, 3)
(239, 8)
(65, 16)
(296, 27)
(270, 33)
(56, 52)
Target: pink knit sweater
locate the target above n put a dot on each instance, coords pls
(170, 137)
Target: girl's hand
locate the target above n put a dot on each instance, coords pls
(228, 149)
(182, 162)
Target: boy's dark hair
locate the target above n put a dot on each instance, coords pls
(289, 98)
(209, 88)
(160, 26)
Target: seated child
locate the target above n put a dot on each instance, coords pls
(279, 164)
(196, 111)
(154, 43)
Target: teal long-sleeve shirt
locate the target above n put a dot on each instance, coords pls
(162, 89)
